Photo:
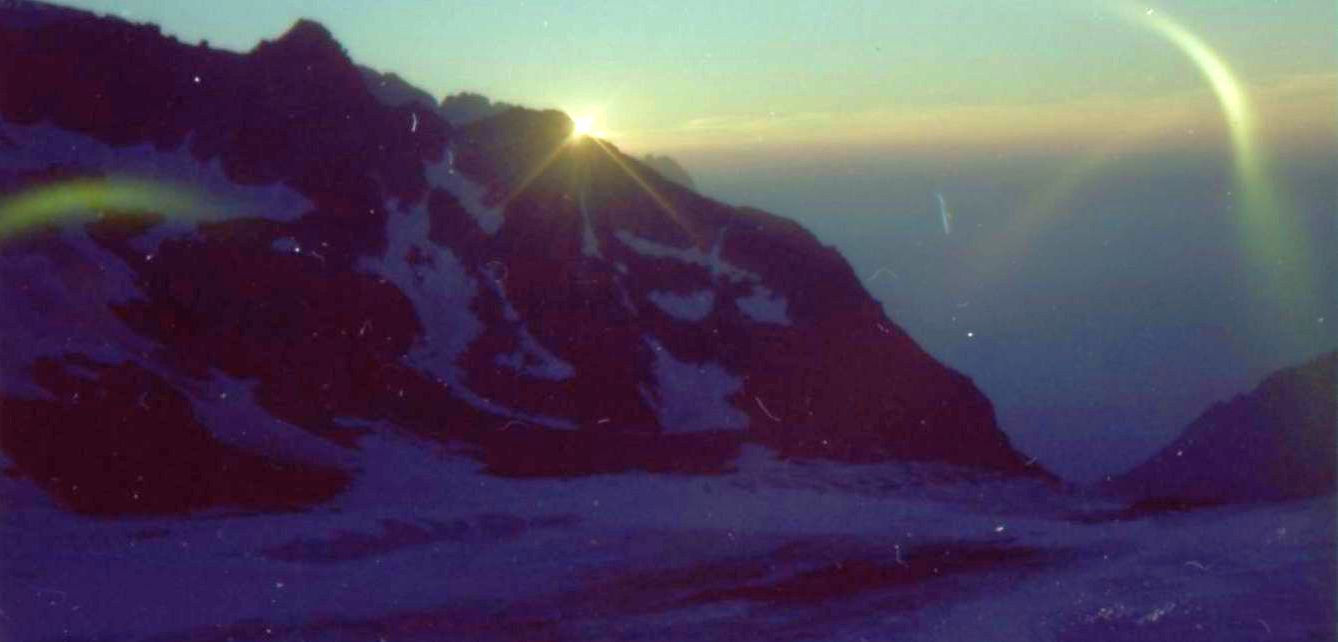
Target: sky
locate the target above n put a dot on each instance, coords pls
(1143, 193)
(703, 74)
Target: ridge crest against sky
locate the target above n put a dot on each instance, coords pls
(696, 76)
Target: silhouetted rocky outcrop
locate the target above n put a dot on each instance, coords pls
(392, 90)
(467, 107)
(1276, 442)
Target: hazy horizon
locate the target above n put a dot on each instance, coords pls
(1115, 324)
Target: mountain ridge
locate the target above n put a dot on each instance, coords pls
(544, 302)
(1275, 442)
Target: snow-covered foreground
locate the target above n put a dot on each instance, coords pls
(428, 548)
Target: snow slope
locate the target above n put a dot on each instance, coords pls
(428, 548)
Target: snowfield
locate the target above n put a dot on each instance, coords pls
(426, 547)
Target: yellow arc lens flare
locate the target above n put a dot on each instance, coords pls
(1282, 275)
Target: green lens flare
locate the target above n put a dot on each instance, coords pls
(80, 200)
(1282, 273)
(1282, 277)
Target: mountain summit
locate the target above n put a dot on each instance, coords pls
(357, 268)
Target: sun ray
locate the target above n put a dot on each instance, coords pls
(650, 191)
(583, 134)
(582, 128)
(534, 173)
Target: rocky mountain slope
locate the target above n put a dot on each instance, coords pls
(1275, 442)
(348, 263)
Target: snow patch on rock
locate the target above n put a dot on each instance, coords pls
(534, 360)
(56, 302)
(441, 292)
(717, 266)
(443, 175)
(228, 407)
(764, 306)
(694, 306)
(439, 288)
(691, 397)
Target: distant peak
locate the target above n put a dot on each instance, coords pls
(308, 39)
(305, 30)
(467, 107)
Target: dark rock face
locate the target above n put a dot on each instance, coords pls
(545, 302)
(293, 111)
(1276, 442)
(118, 439)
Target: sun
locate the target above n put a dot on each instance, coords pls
(583, 126)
